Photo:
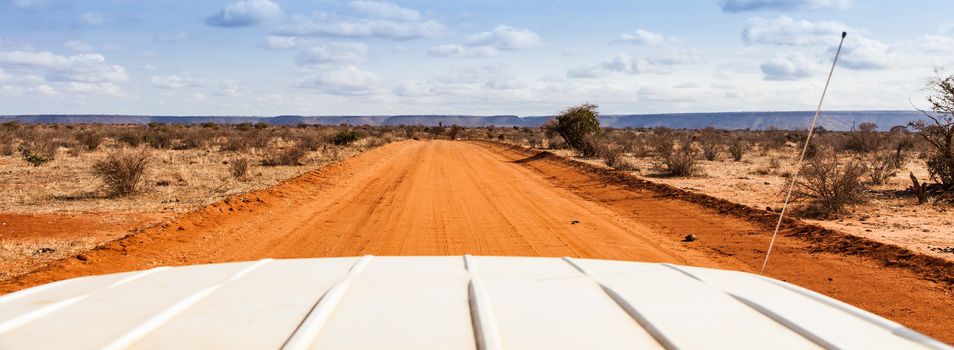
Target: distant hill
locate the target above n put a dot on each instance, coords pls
(835, 120)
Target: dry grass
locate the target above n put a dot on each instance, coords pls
(188, 168)
(183, 174)
(760, 176)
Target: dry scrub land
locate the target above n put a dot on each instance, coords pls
(441, 197)
(429, 197)
(60, 208)
(890, 212)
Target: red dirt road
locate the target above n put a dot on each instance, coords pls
(453, 198)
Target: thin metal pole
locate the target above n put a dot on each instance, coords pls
(798, 165)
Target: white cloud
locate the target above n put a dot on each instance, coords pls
(936, 44)
(278, 42)
(785, 30)
(645, 37)
(87, 67)
(450, 50)
(349, 53)
(178, 81)
(367, 19)
(656, 62)
(109, 89)
(343, 80)
(504, 37)
(505, 84)
(783, 5)
(385, 10)
(789, 67)
(365, 29)
(412, 89)
(245, 13)
(862, 53)
(77, 46)
(486, 44)
(44, 89)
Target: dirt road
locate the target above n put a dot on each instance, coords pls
(452, 198)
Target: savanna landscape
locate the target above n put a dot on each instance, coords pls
(871, 207)
(712, 174)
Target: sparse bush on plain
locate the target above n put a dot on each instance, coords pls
(681, 164)
(239, 168)
(122, 170)
(132, 138)
(710, 142)
(675, 153)
(454, 132)
(310, 142)
(737, 149)
(882, 167)
(40, 151)
(345, 137)
(613, 156)
(291, 155)
(831, 184)
(90, 139)
(864, 140)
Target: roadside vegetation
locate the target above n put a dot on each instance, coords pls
(50, 168)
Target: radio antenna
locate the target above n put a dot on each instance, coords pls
(798, 165)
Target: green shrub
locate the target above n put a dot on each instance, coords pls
(576, 125)
(345, 137)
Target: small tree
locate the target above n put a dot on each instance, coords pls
(938, 130)
(864, 140)
(577, 125)
(122, 171)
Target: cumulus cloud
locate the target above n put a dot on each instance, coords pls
(343, 80)
(486, 44)
(789, 67)
(451, 50)
(245, 13)
(782, 5)
(384, 10)
(367, 19)
(785, 30)
(657, 62)
(341, 53)
(80, 73)
(862, 53)
(87, 67)
(366, 28)
(504, 37)
(645, 37)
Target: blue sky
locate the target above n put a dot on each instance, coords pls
(271, 57)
